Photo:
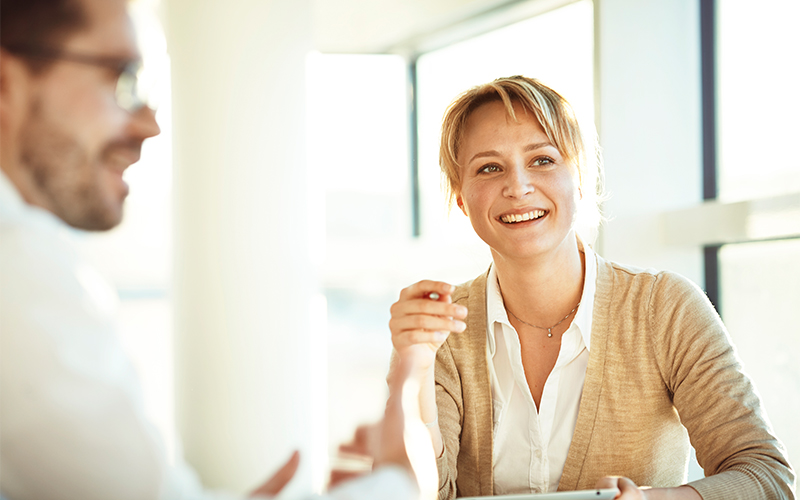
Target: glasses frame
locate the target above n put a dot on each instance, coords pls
(129, 92)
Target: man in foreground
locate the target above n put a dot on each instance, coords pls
(72, 119)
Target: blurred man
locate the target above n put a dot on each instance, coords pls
(72, 120)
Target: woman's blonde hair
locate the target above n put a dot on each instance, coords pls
(559, 122)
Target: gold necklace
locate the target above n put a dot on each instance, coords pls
(549, 330)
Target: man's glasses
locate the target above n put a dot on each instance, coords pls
(131, 91)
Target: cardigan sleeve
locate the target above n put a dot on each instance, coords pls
(451, 411)
(715, 399)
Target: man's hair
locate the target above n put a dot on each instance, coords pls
(36, 24)
(557, 118)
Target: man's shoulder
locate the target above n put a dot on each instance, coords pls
(40, 265)
(33, 238)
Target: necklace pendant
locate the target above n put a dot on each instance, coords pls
(549, 333)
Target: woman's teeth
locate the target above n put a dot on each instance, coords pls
(512, 218)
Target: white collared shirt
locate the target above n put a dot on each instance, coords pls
(530, 447)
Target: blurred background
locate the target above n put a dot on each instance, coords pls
(294, 191)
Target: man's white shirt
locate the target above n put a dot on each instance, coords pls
(530, 447)
(72, 422)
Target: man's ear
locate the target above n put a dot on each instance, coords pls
(15, 92)
(14, 80)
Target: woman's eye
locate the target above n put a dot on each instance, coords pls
(489, 168)
(543, 161)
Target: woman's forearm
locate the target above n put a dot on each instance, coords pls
(429, 410)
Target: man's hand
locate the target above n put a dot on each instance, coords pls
(356, 457)
(400, 439)
(281, 478)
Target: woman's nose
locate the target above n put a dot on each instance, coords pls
(518, 183)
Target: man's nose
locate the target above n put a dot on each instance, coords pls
(143, 123)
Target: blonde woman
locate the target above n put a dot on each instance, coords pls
(563, 370)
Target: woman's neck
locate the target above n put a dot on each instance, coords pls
(542, 289)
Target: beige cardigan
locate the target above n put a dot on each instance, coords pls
(661, 364)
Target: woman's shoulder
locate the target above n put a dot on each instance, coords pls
(652, 280)
(661, 296)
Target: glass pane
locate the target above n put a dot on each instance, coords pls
(760, 292)
(758, 103)
(357, 144)
(525, 48)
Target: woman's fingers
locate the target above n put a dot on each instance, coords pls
(425, 314)
(423, 289)
(627, 488)
(428, 306)
(425, 321)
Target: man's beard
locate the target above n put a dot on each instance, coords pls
(67, 178)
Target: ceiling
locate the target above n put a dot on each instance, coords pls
(378, 26)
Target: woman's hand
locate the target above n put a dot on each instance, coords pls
(421, 322)
(629, 491)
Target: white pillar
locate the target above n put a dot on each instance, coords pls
(244, 280)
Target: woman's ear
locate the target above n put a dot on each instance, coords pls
(460, 203)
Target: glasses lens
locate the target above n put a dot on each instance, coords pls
(132, 88)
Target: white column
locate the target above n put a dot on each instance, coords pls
(244, 280)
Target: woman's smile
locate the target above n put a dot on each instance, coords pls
(524, 217)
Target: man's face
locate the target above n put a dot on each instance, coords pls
(75, 141)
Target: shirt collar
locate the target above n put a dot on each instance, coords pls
(496, 311)
(10, 200)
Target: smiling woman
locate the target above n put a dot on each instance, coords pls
(566, 371)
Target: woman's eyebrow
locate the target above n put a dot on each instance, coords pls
(529, 147)
(538, 145)
(484, 154)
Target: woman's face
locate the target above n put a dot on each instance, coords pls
(519, 193)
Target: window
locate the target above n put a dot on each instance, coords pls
(758, 104)
(759, 293)
(752, 269)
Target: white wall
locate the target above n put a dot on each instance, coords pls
(649, 121)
